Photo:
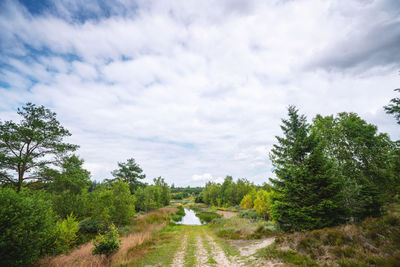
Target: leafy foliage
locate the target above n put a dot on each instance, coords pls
(129, 172)
(66, 234)
(153, 196)
(30, 145)
(27, 227)
(229, 193)
(394, 107)
(363, 160)
(108, 243)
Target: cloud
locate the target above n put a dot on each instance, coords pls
(194, 92)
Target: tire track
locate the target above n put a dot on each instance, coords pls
(179, 258)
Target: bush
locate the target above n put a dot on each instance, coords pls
(207, 217)
(108, 243)
(27, 227)
(65, 234)
(250, 214)
(91, 225)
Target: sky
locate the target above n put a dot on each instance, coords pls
(196, 90)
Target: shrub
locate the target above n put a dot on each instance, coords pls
(65, 234)
(91, 225)
(27, 227)
(250, 214)
(108, 243)
(207, 217)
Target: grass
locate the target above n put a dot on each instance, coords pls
(190, 254)
(373, 242)
(135, 244)
(161, 252)
(290, 257)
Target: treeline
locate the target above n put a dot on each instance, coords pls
(185, 192)
(334, 170)
(48, 204)
(229, 193)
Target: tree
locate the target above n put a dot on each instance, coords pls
(129, 172)
(165, 190)
(364, 161)
(113, 204)
(69, 187)
(27, 226)
(30, 145)
(394, 107)
(306, 192)
(262, 203)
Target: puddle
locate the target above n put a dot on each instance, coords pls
(190, 218)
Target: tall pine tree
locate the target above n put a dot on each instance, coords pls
(306, 192)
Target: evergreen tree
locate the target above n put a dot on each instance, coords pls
(129, 172)
(307, 194)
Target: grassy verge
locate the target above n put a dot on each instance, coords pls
(160, 252)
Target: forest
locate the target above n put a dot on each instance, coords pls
(332, 171)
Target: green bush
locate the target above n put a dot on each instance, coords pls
(27, 227)
(65, 234)
(207, 217)
(108, 243)
(91, 225)
(250, 214)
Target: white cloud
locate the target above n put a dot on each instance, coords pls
(192, 92)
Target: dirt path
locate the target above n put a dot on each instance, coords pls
(218, 254)
(179, 257)
(250, 247)
(200, 248)
(201, 253)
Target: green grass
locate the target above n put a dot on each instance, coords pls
(190, 254)
(161, 251)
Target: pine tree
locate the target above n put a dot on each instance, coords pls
(306, 192)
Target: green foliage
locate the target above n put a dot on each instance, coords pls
(129, 172)
(262, 203)
(206, 216)
(30, 145)
(226, 194)
(91, 225)
(65, 234)
(307, 195)
(365, 162)
(108, 243)
(394, 107)
(27, 227)
(153, 196)
(250, 214)
(177, 216)
(113, 204)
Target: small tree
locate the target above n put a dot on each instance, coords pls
(30, 145)
(108, 243)
(129, 172)
(262, 203)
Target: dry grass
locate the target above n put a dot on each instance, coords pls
(144, 226)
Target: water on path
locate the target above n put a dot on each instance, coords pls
(190, 218)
